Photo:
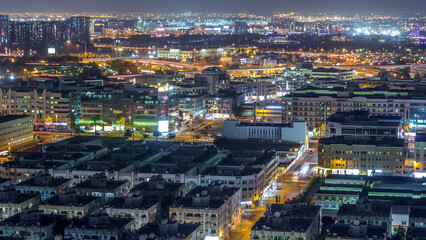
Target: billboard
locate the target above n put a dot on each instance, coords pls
(51, 51)
(163, 126)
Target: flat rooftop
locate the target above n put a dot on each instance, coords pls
(8, 118)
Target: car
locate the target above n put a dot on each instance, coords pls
(311, 152)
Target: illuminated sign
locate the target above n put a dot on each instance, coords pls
(51, 51)
(163, 126)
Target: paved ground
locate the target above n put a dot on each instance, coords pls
(292, 183)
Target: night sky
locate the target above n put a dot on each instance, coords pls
(254, 6)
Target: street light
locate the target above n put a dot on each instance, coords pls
(68, 45)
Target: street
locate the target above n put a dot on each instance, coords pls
(290, 184)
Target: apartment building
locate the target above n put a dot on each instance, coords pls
(40, 103)
(15, 130)
(216, 207)
(315, 105)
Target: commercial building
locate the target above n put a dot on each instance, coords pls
(362, 125)
(420, 153)
(40, 103)
(15, 130)
(344, 156)
(288, 221)
(240, 28)
(99, 226)
(216, 207)
(295, 132)
(261, 111)
(358, 143)
(168, 229)
(332, 73)
(145, 108)
(315, 105)
(418, 69)
(175, 54)
(215, 79)
(192, 105)
(218, 107)
(79, 29)
(4, 31)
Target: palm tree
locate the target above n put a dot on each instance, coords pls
(96, 119)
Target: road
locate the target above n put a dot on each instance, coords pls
(292, 183)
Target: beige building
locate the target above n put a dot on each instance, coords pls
(39, 103)
(420, 152)
(339, 156)
(142, 209)
(288, 221)
(71, 205)
(174, 54)
(315, 105)
(215, 207)
(15, 130)
(13, 202)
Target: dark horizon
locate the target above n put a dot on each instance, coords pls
(222, 6)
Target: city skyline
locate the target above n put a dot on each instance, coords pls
(267, 6)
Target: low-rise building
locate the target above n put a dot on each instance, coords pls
(362, 125)
(297, 132)
(168, 229)
(288, 221)
(420, 153)
(15, 130)
(13, 202)
(70, 204)
(99, 226)
(371, 214)
(332, 200)
(133, 205)
(216, 207)
(100, 186)
(32, 225)
(357, 231)
(43, 184)
(332, 73)
(349, 156)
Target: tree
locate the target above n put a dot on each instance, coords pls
(171, 136)
(95, 120)
(406, 127)
(127, 133)
(321, 131)
(122, 121)
(48, 120)
(123, 66)
(156, 134)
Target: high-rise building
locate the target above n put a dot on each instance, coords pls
(79, 29)
(215, 79)
(4, 31)
(240, 28)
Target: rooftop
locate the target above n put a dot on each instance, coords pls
(31, 218)
(364, 117)
(169, 229)
(389, 142)
(100, 221)
(44, 180)
(8, 118)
